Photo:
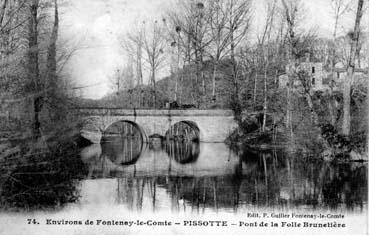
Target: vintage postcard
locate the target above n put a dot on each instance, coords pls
(184, 117)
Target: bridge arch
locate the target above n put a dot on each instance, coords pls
(122, 142)
(186, 126)
(107, 131)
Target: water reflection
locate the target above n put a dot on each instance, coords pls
(183, 151)
(122, 143)
(184, 175)
(182, 142)
(283, 188)
(217, 178)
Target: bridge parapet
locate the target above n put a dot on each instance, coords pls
(155, 112)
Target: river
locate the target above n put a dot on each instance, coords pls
(126, 178)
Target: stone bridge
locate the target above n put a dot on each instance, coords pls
(213, 125)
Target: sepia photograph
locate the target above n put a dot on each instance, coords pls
(184, 117)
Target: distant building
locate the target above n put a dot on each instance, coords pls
(339, 75)
(315, 77)
(321, 80)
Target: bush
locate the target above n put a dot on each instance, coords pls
(42, 179)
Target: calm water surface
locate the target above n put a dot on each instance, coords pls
(123, 175)
(204, 176)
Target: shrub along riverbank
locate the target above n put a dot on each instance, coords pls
(41, 176)
(322, 140)
(41, 172)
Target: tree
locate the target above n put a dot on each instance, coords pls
(290, 12)
(133, 46)
(33, 64)
(13, 19)
(229, 22)
(299, 44)
(123, 79)
(154, 46)
(339, 7)
(29, 57)
(51, 65)
(146, 45)
(191, 20)
(173, 37)
(346, 124)
(132, 43)
(264, 46)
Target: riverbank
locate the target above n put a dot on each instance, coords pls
(39, 174)
(324, 142)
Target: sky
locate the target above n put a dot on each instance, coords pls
(96, 27)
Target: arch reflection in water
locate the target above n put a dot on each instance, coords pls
(122, 143)
(183, 152)
(182, 142)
